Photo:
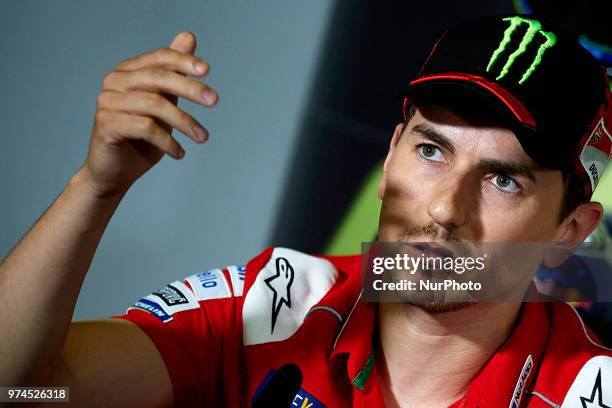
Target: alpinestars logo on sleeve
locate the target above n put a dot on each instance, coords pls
(596, 398)
(533, 28)
(280, 285)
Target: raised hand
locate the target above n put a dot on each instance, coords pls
(137, 110)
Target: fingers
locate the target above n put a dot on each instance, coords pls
(138, 99)
(120, 126)
(169, 59)
(152, 104)
(160, 80)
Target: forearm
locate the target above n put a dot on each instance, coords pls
(41, 278)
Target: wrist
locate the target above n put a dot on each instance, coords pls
(83, 181)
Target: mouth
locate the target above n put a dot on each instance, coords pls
(434, 250)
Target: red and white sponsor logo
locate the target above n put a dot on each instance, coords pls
(596, 152)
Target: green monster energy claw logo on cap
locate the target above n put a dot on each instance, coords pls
(533, 28)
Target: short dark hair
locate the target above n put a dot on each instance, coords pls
(573, 193)
(472, 109)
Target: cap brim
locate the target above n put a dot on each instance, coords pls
(499, 96)
(512, 112)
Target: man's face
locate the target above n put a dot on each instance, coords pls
(448, 180)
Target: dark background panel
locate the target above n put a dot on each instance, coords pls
(372, 50)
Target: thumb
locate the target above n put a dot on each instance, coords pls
(184, 42)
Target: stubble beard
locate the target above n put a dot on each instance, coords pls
(432, 307)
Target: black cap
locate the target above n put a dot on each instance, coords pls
(554, 93)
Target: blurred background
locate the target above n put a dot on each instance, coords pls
(307, 106)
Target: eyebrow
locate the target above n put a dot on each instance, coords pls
(431, 134)
(506, 167)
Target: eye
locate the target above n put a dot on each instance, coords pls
(505, 184)
(430, 152)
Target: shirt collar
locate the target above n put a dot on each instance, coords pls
(512, 369)
(500, 378)
(355, 340)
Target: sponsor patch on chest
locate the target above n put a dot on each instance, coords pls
(282, 294)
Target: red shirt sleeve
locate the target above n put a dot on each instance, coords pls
(196, 326)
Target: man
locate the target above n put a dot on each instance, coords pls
(233, 336)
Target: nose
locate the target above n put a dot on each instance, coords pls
(449, 202)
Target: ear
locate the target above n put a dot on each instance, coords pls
(580, 223)
(394, 140)
(574, 230)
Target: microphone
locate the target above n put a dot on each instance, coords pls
(280, 389)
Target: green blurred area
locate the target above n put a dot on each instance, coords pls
(360, 224)
(603, 192)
